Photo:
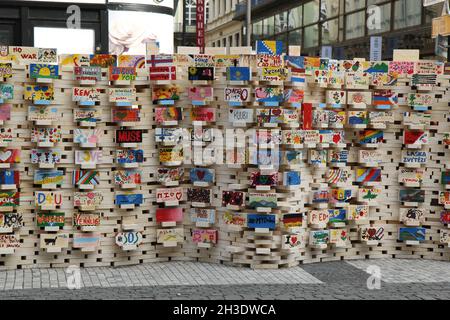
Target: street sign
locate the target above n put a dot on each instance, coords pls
(327, 52)
(376, 48)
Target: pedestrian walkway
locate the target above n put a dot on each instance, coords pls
(408, 271)
(156, 274)
(400, 279)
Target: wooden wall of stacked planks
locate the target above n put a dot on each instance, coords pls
(363, 168)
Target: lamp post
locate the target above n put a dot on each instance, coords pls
(249, 21)
(446, 11)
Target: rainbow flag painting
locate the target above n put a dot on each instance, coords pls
(85, 177)
(368, 175)
(271, 47)
(371, 136)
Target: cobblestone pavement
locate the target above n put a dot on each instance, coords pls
(156, 274)
(407, 271)
(401, 279)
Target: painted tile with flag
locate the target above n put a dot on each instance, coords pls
(163, 73)
(238, 74)
(385, 99)
(272, 47)
(159, 60)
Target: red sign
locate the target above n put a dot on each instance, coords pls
(445, 217)
(128, 136)
(307, 113)
(169, 214)
(200, 18)
(126, 115)
(163, 73)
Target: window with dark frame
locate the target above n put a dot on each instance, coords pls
(327, 22)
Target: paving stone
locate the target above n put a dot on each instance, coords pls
(187, 280)
(407, 271)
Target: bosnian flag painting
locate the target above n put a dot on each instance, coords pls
(269, 47)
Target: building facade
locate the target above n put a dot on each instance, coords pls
(222, 30)
(185, 22)
(184, 19)
(346, 25)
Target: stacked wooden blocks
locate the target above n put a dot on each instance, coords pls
(264, 160)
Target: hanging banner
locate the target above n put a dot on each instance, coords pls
(376, 48)
(327, 52)
(200, 25)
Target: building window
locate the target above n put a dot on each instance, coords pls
(352, 5)
(311, 36)
(355, 25)
(268, 27)
(385, 23)
(213, 8)
(330, 31)
(430, 14)
(190, 12)
(371, 2)
(295, 17)
(230, 41)
(7, 34)
(258, 28)
(329, 9)
(295, 37)
(281, 22)
(311, 12)
(408, 13)
(328, 22)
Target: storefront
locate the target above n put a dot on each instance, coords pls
(345, 25)
(90, 25)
